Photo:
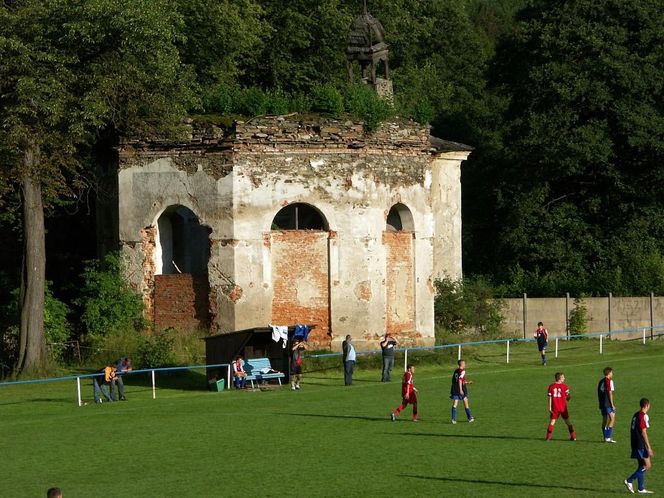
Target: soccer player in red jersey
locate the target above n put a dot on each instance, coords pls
(408, 394)
(558, 397)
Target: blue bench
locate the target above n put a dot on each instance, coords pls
(253, 368)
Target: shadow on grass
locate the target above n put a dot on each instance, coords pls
(335, 381)
(63, 401)
(344, 417)
(186, 380)
(483, 436)
(513, 483)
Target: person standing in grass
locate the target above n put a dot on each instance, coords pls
(296, 362)
(349, 356)
(541, 335)
(122, 366)
(387, 345)
(408, 394)
(641, 449)
(558, 393)
(459, 391)
(54, 493)
(607, 405)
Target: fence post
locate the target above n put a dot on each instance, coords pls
(644, 336)
(652, 321)
(556, 347)
(566, 315)
(610, 299)
(525, 314)
(228, 377)
(405, 360)
(459, 355)
(600, 343)
(508, 351)
(78, 389)
(154, 393)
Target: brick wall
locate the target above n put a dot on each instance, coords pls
(300, 276)
(181, 301)
(400, 312)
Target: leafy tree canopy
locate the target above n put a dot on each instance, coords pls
(583, 166)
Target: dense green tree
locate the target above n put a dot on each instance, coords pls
(69, 70)
(222, 38)
(305, 45)
(584, 136)
(438, 62)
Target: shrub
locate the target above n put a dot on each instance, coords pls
(363, 103)
(468, 305)
(252, 102)
(278, 102)
(220, 98)
(109, 304)
(157, 350)
(189, 347)
(57, 328)
(327, 100)
(423, 111)
(578, 318)
(118, 343)
(300, 103)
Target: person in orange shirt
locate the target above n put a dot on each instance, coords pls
(102, 379)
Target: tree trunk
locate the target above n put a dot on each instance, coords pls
(32, 344)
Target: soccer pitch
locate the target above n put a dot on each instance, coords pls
(336, 441)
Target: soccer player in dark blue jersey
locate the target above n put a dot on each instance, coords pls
(607, 405)
(459, 391)
(641, 449)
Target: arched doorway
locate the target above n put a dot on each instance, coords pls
(300, 269)
(182, 242)
(400, 270)
(181, 287)
(400, 219)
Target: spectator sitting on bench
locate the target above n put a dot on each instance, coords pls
(239, 375)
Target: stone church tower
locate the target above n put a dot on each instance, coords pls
(292, 219)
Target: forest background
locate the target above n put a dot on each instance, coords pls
(562, 102)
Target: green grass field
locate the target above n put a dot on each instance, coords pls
(331, 440)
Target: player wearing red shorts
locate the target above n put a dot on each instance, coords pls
(408, 394)
(558, 397)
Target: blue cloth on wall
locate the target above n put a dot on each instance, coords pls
(302, 331)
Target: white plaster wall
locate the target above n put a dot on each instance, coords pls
(446, 208)
(353, 191)
(355, 207)
(146, 189)
(424, 292)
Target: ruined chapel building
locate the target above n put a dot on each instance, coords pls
(293, 219)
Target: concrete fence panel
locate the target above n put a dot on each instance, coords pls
(603, 314)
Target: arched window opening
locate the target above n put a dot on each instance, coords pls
(299, 216)
(183, 243)
(400, 219)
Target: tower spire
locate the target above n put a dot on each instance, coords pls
(367, 47)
